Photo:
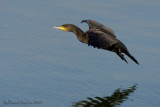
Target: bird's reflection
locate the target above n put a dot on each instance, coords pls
(118, 97)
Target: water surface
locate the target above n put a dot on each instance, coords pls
(43, 67)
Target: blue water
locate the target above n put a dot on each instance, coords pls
(51, 68)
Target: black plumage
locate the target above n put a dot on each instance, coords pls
(99, 36)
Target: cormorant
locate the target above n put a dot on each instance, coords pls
(99, 36)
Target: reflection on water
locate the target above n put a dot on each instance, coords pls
(118, 97)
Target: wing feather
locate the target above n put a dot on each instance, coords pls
(95, 25)
(99, 39)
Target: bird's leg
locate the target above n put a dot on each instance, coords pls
(121, 55)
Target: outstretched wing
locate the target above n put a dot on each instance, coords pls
(99, 39)
(95, 25)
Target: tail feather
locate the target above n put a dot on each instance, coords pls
(129, 55)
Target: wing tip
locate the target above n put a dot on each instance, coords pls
(84, 21)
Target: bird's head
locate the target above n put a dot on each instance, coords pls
(66, 27)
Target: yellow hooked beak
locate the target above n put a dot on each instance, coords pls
(60, 27)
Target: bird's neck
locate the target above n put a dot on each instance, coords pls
(79, 33)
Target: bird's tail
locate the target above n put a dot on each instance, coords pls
(129, 55)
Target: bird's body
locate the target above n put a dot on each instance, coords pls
(99, 36)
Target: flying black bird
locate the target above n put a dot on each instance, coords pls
(99, 36)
